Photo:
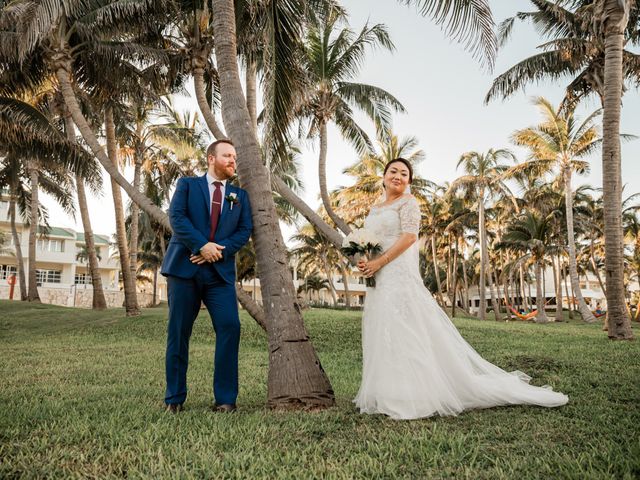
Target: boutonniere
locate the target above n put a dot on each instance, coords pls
(232, 198)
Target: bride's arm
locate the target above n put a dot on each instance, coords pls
(409, 226)
(372, 266)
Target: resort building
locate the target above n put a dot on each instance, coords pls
(62, 266)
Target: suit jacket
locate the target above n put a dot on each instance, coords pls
(190, 219)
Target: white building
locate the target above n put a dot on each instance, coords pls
(63, 279)
(589, 286)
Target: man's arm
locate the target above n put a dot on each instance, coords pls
(183, 229)
(243, 231)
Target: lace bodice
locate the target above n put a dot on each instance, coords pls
(388, 222)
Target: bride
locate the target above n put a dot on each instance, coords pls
(415, 362)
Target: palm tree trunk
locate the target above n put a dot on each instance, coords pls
(98, 300)
(64, 80)
(557, 280)
(251, 89)
(154, 298)
(163, 247)
(495, 305)
(616, 17)
(135, 218)
(541, 317)
(436, 270)
(455, 277)
(596, 270)
(130, 297)
(466, 284)
(201, 97)
(251, 306)
(345, 282)
(307, 212)
(585, 311)
(449, 257)
(523, 291)
(322, 176)
(483, 257)
(570, 301)
(32, 294)
(16, 242)
(332, 288)
(296, 378)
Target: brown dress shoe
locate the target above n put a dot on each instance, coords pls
(173, 408)
(224, 407)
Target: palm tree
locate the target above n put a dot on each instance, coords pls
(557, 146)
(36, 157)
(588, 43)
(433, 229)
(531, 234)
(484, 181)
(314, 252)
(468, 22)
(332, 59)
(613, 17)
(573, 48)
(99, 301)
(75, 38)
(292, 354)
(314, 283)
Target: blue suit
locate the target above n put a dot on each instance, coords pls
(213, 284)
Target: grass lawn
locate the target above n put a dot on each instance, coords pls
(82, 393)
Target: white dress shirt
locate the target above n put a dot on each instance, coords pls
(212, 187)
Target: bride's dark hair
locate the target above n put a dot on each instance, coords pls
(401, 160)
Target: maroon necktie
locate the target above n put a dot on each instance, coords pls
(215, 209)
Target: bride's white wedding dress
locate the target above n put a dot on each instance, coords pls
(415, 362)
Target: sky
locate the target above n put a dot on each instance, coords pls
(442, 88)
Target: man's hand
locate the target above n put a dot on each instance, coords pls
(197, 259)
(211, 252)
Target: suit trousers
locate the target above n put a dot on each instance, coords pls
(185, 297)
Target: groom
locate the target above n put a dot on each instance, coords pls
(211, 221)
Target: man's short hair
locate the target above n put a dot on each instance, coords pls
(211, 149)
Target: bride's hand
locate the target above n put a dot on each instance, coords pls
(371, 267)
(361, 265)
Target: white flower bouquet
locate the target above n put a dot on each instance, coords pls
(362, 243)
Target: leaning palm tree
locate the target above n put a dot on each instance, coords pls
(557, 146)
(332, 60)
(483, 181)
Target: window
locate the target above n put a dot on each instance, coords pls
(7, 270)
(50, 245)
(82, 279)
(48, 276)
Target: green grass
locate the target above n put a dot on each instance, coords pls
(82, 393)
